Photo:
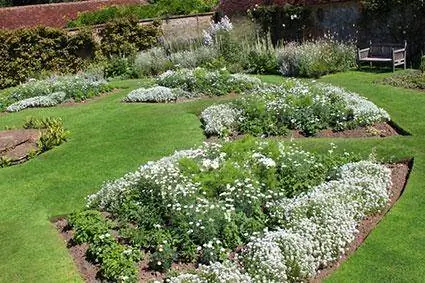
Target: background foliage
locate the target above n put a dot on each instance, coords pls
(29, 52)
(395, 21)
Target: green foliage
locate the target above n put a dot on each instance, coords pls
(125, 37)
(157, 9)
(162, 258)
(36, 123)
(117, 262)
(262, 61)
(412, 79)
(258, 120)
(87, 225)
(120, 67)
(230, 50)
(5, 162)
(29, 51)
(53, 135)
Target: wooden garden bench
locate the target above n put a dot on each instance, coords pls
(391, 53)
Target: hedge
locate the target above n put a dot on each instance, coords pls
(28, 52)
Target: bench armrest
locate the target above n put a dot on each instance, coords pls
(400, 50)
(399, 54)
(363, 53)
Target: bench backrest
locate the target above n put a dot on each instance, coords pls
(384, 50)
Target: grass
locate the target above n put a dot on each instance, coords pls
(109, 138)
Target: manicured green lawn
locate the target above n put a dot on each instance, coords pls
(109, 138)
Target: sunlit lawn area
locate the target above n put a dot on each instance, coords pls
(109, 138)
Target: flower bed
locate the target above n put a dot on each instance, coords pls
(275, 200)
(52, 91)
(205, 82)
(294, 105)
(190, 83)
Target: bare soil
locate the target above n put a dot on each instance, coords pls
(399, 175)
(378, 130)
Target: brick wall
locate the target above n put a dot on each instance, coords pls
(230, 7)
(52, 15)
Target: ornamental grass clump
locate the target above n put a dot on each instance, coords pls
(295, 105)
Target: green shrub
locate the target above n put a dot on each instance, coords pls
(119, 264)
(152, 62)
(120, 67)
(53, 135)
(27, 52)
(162, 258)
(87, 225)
(125, 37)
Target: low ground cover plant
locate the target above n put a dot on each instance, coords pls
(413, 79)
(157, 94)
(295, 105)
(274, 199)
(52, 91)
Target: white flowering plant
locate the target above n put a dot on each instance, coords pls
(202, 81)
(157, 94)
(294, 105)
(224, 25)
(76, 87)
(201, 204)
(38, 101)
(316, 58)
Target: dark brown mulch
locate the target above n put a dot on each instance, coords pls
(399, 176)
(16, 145)
(378, 130)
(87, 269)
